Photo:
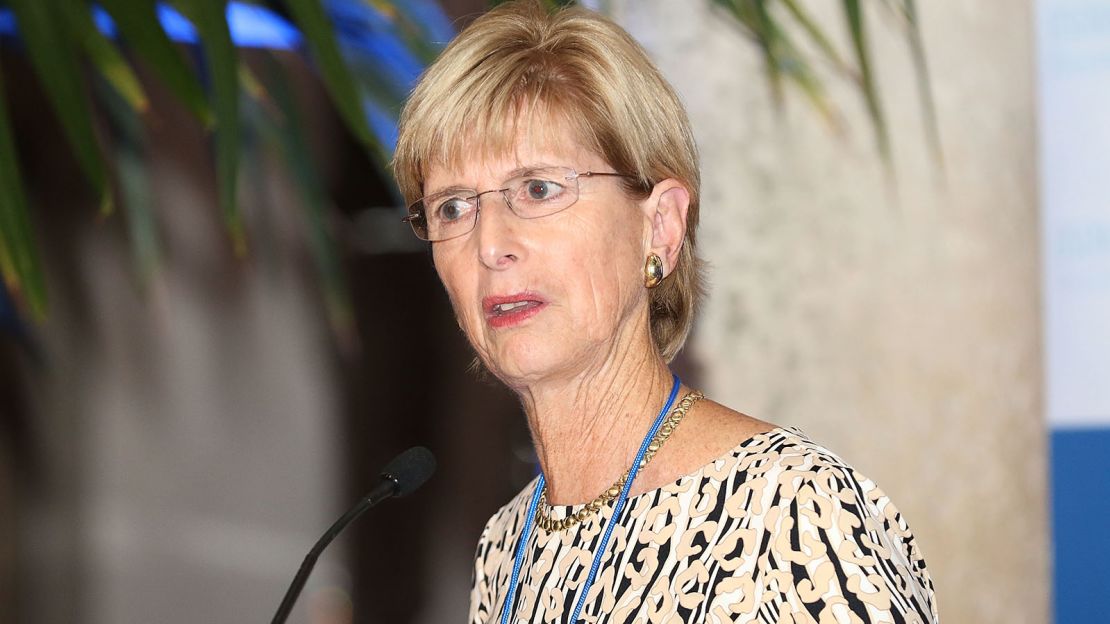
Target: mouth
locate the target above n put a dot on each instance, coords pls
(509, 310)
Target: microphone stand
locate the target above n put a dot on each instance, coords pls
(387, 488)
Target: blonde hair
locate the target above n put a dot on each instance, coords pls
(519, 60)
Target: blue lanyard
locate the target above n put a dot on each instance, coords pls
(530, 519)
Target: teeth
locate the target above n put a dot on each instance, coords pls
(505, 307)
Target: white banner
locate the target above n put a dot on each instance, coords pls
(1073, 49)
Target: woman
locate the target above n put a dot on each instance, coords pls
(554, 172)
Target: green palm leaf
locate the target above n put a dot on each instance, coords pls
(853, 13)
(55, 64)
(19, 263)
(816, 34)
(784, 59)
(770, 38)
(318, 33)
(908, 11)
(139, 26)
(223, 64)
(103, 53)
(130, 150)
(285, 131)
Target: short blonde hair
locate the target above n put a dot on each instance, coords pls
(578, 67)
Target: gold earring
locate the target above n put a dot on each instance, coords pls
(653, 270)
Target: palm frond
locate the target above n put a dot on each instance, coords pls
(285, 132)
(222, 61)
(102, 53)
(853, 14)
(770, 23)
(324, 50)
(129, 148)
(19, 261)
(817, 35)
(55, 63)
(138, 24)
(907, 9)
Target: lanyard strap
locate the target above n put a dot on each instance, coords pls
(518, 557)
(530, 520)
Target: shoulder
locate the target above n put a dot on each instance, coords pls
(836, 541)
(795, 460)
(794, 483)
(804, 473)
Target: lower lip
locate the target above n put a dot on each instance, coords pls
(515, 317)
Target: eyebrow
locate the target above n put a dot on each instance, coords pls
(522, 171)
(515, 173)
(448, 189)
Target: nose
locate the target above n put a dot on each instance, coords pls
(499, 244)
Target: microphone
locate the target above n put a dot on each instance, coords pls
(400, 477)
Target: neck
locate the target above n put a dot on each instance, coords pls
(587, 428)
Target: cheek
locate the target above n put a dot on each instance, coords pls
(607, 266)
(454, 278)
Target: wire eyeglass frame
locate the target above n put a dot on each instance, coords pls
(417, 217)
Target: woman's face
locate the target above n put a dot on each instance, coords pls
(554, 296)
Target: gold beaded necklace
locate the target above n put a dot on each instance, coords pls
(543, 510)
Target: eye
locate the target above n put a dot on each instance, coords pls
(451, 209)
(538, 190)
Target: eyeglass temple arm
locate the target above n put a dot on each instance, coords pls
(590, 174)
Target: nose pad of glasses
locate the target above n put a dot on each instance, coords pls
(503, 192)
(496, 233)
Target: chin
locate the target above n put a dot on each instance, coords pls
(522, 362)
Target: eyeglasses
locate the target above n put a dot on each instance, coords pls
(537, 193)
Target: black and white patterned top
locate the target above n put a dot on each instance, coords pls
(778, 530)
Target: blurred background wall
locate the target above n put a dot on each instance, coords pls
(182, 432)
(172, 448)
(893, 315)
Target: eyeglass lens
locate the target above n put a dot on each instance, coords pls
(539, 193)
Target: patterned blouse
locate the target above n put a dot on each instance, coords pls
(778, 530)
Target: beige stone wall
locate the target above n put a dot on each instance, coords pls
(898, 324)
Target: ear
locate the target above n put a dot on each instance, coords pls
(665, 210)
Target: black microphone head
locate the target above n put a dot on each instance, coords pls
(410, 469)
